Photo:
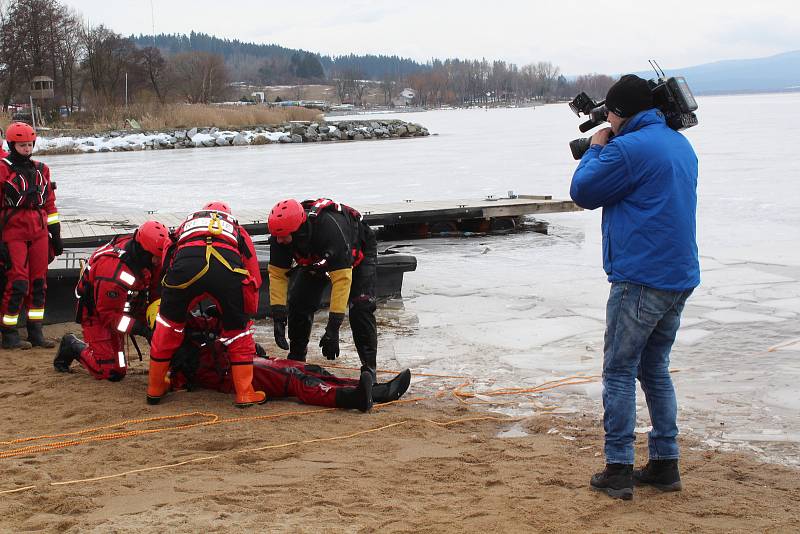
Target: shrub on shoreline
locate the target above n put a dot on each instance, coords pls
(159, 117)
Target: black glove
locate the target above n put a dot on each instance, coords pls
(141, 329)
(330, 340)
(55, 238)
(260, 351)
(279, 324)
(5, 257)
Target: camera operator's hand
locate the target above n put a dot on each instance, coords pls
(600, 137)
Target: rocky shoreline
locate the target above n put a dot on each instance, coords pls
(291, 132)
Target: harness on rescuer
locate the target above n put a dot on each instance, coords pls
(315, 208)
(84, 290)
(24, 192)
(213, 229)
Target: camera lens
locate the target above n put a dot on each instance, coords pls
(580, 146)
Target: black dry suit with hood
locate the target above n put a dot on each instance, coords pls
(334, 245)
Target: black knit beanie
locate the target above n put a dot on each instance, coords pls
(629, 96)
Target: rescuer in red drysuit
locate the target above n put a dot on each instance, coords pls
(30, 237)
(202, 361)
(212, 257)
(113, 294)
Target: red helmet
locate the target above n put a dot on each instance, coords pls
(153, 237)
(286, 217)
(19, 132)
(218, 205)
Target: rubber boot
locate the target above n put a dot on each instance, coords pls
(11, 339)
(393, 389)
(616, 480)
(358, 398)
(69, 350)
(297, 351)
(246, 396)
(661, 474)
(36, 336)
(157, 381)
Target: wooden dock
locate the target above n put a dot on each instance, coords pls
(79, 232)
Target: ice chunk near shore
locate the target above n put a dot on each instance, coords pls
(734, 316)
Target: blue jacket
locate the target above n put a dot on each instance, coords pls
(645, 179)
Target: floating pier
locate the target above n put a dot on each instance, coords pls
(410, 218)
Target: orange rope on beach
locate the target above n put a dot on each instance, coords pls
(106, 427)
(214, 419)
(263, 448)
(389, 371)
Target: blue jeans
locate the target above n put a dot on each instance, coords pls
(641, 324)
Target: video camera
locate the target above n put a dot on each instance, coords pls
(671, 96)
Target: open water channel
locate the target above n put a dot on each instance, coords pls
(523, 309)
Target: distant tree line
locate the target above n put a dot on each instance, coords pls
(94, 67)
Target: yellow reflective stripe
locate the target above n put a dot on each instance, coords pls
(278, 285)
(341, 280)
(52, 218)
(36, 313)
(10, 320)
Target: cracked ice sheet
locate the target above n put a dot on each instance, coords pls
(520, 334)
(734, 316)
(792, 305)
(739, 276)
(691, 336)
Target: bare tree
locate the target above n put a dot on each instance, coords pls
(154, 67)
(108, 57)
(200, 77)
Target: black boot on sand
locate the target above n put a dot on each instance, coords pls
(616, 480)
(661, 474)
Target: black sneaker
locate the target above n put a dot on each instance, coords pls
(661, 474)
(616, 480)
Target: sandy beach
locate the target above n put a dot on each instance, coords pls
(431, 464)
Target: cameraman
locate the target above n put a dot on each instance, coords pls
(645, 179)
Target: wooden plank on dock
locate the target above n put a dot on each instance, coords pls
(82, 231)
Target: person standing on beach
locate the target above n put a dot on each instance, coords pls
(30, 237)
(645, 179)
(331, 244)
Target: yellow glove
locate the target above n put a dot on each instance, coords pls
(152, 311)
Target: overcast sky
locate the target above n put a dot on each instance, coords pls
(580, 37)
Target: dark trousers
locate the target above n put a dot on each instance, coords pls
(305, 298)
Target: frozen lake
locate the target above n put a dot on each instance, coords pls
(523, 309)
